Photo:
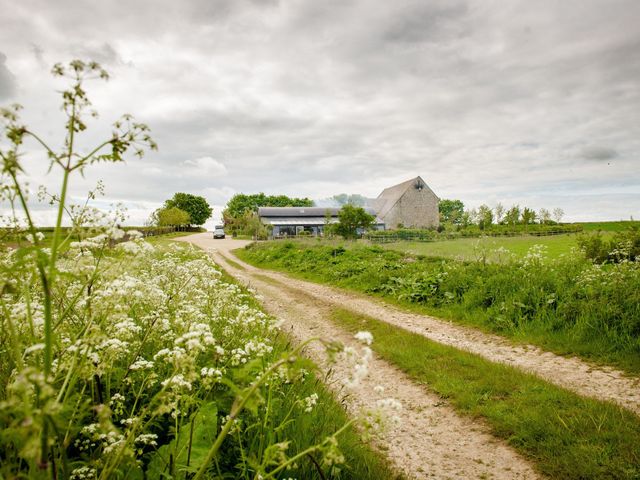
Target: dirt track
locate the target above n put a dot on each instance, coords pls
(432, 440)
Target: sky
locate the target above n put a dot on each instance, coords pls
(511, 101)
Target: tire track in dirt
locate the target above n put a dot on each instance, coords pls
(431, 440)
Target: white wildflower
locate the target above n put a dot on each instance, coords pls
(310, 402)
(364, 337)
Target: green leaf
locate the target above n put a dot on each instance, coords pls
(190, 450)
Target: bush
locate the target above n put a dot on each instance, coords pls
(623, 246)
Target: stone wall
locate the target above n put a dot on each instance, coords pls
(415, 209)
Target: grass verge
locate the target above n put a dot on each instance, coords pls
(566, 436)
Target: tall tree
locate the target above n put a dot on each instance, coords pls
(528, 216)
(544, 216)
(451, 211)
(558, 213)
(485, 217)
(512, 217)
(197, 207)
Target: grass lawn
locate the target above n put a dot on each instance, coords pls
(477, 248)
(566, 436)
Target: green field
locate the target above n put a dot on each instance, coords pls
(486, 247)
(608, 226)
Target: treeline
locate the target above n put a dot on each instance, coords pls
(454, 215)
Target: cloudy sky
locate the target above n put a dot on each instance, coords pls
(536, 103)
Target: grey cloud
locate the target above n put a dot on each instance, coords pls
(485, 100)
(427, 22)
(7, 79)
(104, 54)
(598, 153)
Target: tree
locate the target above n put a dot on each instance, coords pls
(240, 203)
(528, 216)
(350, 219)
(485, 217)
(512, 217)
(451, 211)
(172, 217)
(499, 212)
(197, 207)
(558, 213)
(544, 216)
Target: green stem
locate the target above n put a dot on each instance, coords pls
(309, 450)
(239, 404)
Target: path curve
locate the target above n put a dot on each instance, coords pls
(572, 373)
(431, 440)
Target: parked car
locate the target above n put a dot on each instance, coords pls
(218, 232)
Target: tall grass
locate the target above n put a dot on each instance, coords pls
(568, 305)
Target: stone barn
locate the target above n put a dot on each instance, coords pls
(410, 204)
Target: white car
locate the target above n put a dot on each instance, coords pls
(218, 232)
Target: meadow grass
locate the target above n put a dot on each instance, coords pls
(476, 248)
(565, 436)
(568, 306)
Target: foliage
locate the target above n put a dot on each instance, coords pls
(121, 360)
(554, 427)
(249, 224)
(351, 220)
(512, 216)
(451, 211)
(623, 246)
(528, 216)
(172, 216)
(485, 217)
(196, 206)
(242, 203)
(240, 214)
(569, 305)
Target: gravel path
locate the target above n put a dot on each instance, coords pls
(431, 440)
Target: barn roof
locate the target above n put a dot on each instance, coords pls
(390, 196)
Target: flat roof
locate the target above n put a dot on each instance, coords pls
(302, 211)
